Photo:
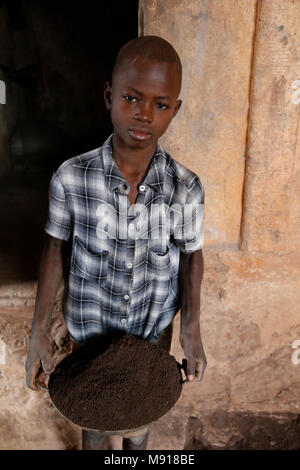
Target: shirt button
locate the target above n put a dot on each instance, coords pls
(131, 226)
(123, 321)
(126, 297)
(124, 189)
(142, 187)
(129, 265)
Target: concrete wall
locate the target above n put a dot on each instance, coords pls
(238, 130)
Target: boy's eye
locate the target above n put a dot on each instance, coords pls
(129, 98)
(161, 106)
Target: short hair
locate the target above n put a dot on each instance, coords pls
(151, 47)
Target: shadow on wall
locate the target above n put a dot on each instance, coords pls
(225, 430)
(54, 61)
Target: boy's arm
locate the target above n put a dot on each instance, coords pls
(50, 276)
(190, 278)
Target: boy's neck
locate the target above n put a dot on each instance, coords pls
(132, 162)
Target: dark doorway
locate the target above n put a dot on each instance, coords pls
(54, 58)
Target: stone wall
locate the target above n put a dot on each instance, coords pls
(238, 130)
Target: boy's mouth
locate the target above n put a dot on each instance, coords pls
(139, 134)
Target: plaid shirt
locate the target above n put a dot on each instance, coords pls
(125, 258)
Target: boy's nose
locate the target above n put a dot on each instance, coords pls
(144, 114)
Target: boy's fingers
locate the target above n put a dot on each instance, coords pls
(183, 367)
(31, 377)
(194, 369)
(200, 368)
(42, 380)
(47, 363)
(190, 368)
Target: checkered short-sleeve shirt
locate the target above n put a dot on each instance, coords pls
(125, 258)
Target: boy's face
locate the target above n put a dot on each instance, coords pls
(143, 102)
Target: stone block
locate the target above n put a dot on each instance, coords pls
(209, 133)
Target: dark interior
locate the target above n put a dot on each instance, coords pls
(55, 58)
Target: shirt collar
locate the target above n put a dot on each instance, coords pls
(154, 178)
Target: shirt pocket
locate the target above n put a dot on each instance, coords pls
(159, 265)
(87, 265)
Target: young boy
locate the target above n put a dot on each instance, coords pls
(132, 267)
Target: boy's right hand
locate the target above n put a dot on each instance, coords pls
(39, 362)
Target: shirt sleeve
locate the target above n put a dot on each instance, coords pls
(58, 222)
(189, 231)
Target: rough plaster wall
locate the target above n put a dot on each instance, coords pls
(272, 194)
(27, 419)
(214, 41)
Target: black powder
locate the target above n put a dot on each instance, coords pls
(118, 384)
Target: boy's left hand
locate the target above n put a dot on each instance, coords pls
(195, 357)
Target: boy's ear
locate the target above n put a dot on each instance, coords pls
(107, 95)
(177, 106)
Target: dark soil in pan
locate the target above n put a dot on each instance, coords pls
(117, 384)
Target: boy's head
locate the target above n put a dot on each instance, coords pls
(143, 95)
(148, 47)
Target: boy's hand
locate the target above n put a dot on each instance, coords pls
(39, 362)
(195, 357)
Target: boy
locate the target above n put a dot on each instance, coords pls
(124, 273)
